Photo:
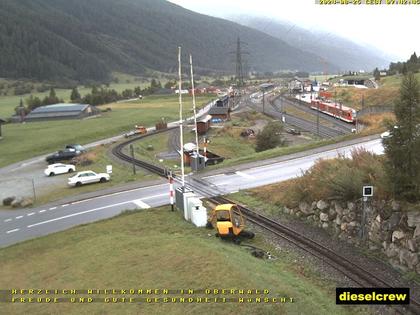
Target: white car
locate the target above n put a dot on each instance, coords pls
(88, 177)
(59, 168)
(385, 135)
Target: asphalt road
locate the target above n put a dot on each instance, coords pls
(20, 225)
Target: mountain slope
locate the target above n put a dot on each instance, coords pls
(79, 40)
(342, 52)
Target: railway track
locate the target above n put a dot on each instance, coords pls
(340, 125)
(356, 273)
(300, 123)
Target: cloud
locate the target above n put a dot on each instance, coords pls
(390, 28)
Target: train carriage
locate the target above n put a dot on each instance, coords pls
(336, 110)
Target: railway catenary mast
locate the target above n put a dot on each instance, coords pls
(181, 124)
(194, 106)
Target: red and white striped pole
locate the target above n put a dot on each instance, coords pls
(205, 149)
(171, 190)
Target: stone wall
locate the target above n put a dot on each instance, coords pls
(387, 228)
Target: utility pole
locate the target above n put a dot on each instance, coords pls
(263, 100)
(317, 119)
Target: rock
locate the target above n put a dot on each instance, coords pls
(385, 245)
(378, 218)
(395, 206)
(286, 210)
(338, 208)
(298, 214)
(321, 205)
(332, 214)
(391, 251)
(17, 202)
(325, 225)
(8, 201)
(413, 219)
(397, 235)
(305, 208)
(337, 220)
(351, 206)
(323, 217)
(409, 259)
(393, 221)
(26, 202)
(411, 245)
(343, 226)
(352, 216)
(417, 231)
(373, 246)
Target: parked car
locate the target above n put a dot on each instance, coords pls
(59, 168)
(88, 177)
(76, 147)
(293, 131)
(62, 155)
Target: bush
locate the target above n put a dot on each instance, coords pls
(340, 179)
(269, 137)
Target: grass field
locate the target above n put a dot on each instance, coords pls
(23, 141)
(157, 249)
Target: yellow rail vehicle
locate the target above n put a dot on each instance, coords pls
(229, 222)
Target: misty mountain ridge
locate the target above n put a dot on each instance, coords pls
(344, 53)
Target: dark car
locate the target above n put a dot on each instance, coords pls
(293, 131)
(76, 147)
(63, 155)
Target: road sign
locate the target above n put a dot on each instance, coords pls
(109, 169)
(367, 191)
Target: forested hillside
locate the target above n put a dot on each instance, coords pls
(86, 40)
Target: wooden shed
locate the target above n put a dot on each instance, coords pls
(203, 125)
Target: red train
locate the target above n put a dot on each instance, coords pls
(336, 110)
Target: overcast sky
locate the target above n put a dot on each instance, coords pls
(393, 29)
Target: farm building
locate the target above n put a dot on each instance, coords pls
(203, 125)
(220, 112)
(1, 122)
(61, 111)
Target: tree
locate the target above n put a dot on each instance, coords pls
(269, 137)
(402, 148)
(75, 95)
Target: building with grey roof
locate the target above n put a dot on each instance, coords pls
(61, 111)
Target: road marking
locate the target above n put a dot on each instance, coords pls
(29, 214)
(7, 220)
(92, 210)
(11, 231)
(141, 204)
(53, 208)
(41, 211)
(78, 213)
(64, 205)
(151, 197)
(211, 176)
(117, 193)
(245, 175)
(19, 217)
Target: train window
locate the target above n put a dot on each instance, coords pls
(223, 215)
